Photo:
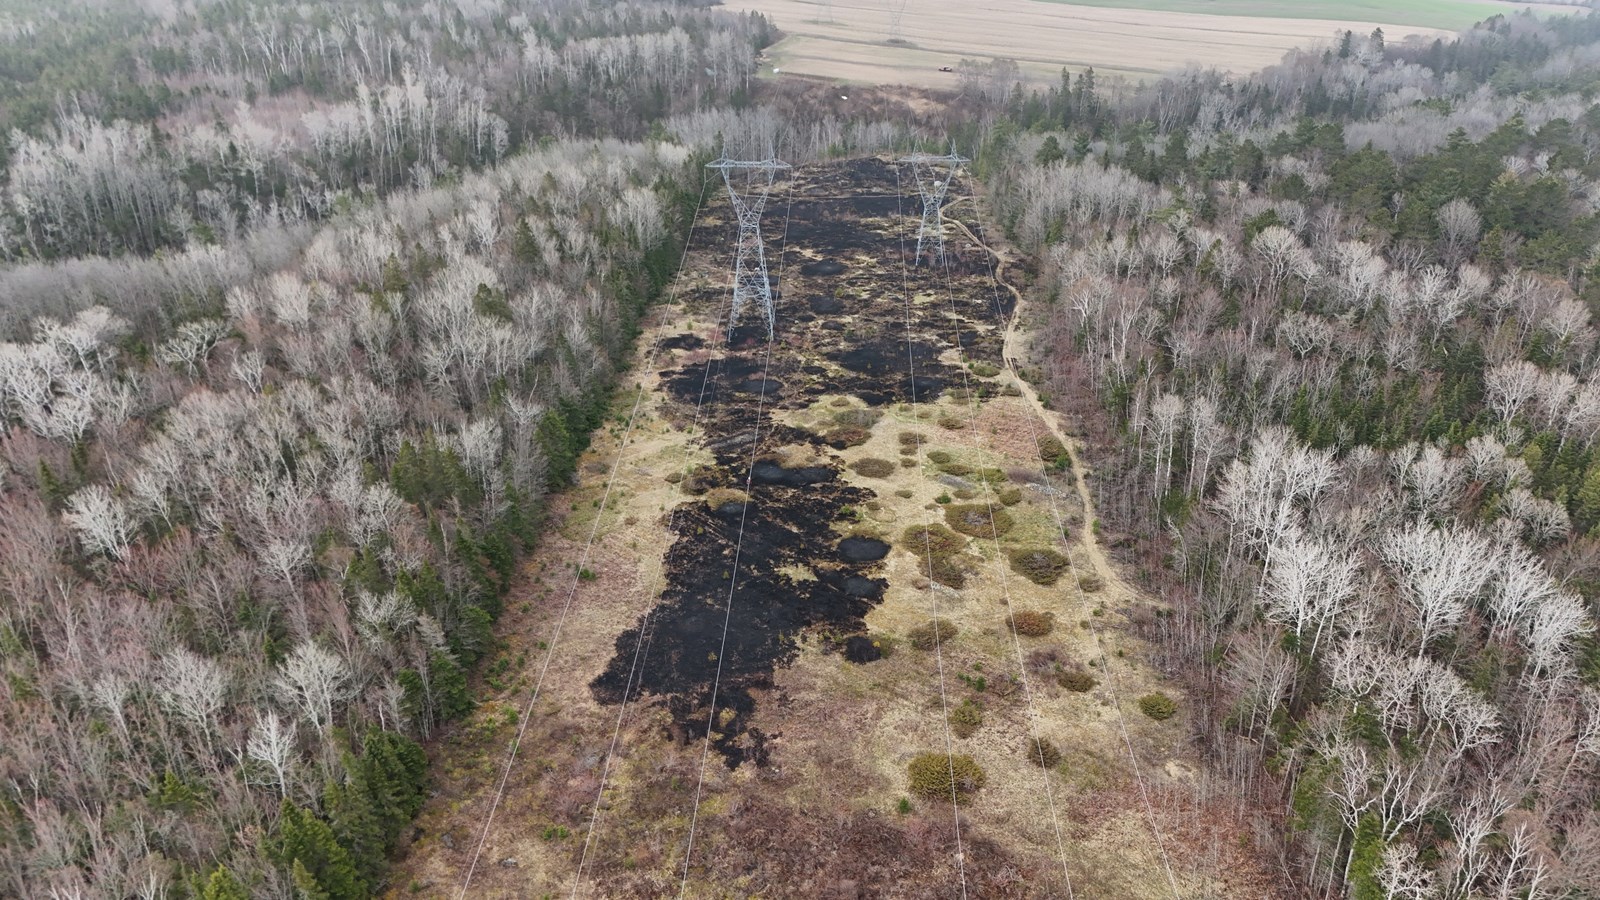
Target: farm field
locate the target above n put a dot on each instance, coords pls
(848, 40)
(1453, 14)
(745, 674)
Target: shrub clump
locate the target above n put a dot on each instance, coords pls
(872, 467)
(845, 436)
(1090, 584)
(1011, 496)
(984, 370)
(912, 439)
(941, 458)
(861, 417)
(952, 423)
(978, 520)
(939, 548)
(1055, 453)
(1040, 565)
(1042, 753)
(1076, 679)
(937, 775)
(936, 632)
(1032, 623)
(966, 719)
(1158, 706)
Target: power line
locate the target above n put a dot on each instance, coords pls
(927, 541)
(645, 622)
(555, 637)
(1105, 662)
(1005, 583)
(733, 580)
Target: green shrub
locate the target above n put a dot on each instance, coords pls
(1039, 565)
(871, 467)
(1158, 706)
(941, 457)
(936, 775)
(984, 370)
(1076, 679)
(1010, 496)
(936, 632)
(1031, 623)
(1054, 453)
(1042, 753)
(1090, 584)
(966, 719)
(978, 520)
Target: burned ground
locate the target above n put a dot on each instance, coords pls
(727, 569)
(764, 492)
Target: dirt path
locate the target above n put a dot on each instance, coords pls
(1013, 338)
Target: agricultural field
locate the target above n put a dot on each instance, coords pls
(805, 581)
(854, 41)
(1451, 14)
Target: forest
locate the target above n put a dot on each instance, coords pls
(306, 310)
(1329, 335)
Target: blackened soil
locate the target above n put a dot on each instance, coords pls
(683, 342)
(767, 472)
(719, 588)
(822, 267)
(859, 549)
(825, 304)
(861, 649)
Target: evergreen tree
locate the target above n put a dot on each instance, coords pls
(1588, 499)
(450, 695)
(356, 823)
(1050, 151)
(308, 847)
(306, 886)
(223, 886)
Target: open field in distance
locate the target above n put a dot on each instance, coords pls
(848, 40)
(1455, 14)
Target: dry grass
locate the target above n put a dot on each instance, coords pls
(848, 40)
(845, 734)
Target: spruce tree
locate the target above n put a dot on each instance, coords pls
(357, 821)
(223, 886)
(307, 843)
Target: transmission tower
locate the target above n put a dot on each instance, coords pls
(934, 174)
(897, 11)
(749, 182)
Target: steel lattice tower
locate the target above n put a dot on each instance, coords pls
(926, 167)
(750, 280)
